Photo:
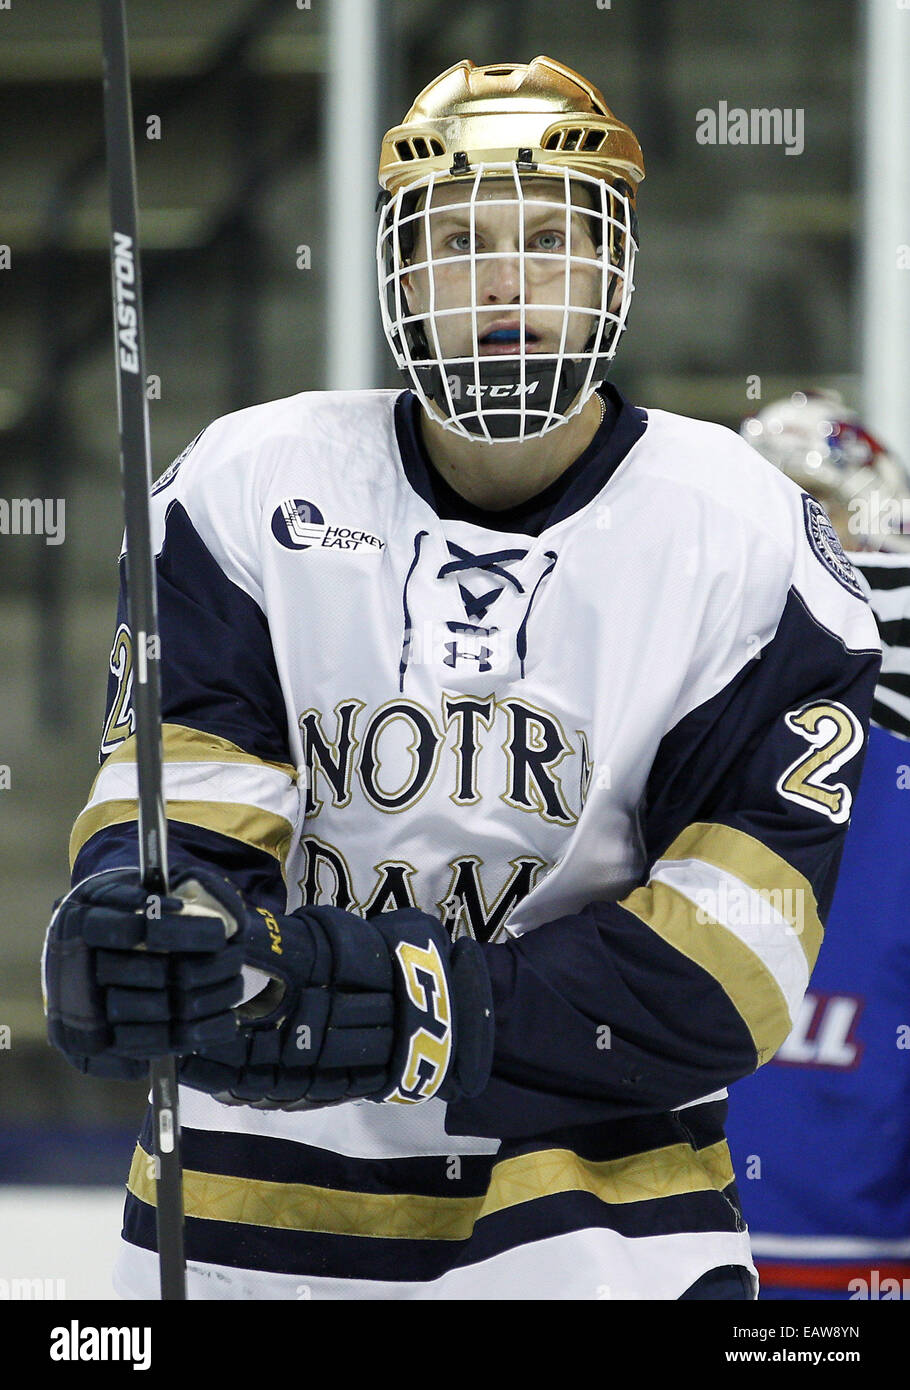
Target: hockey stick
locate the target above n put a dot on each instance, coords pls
(142, 605)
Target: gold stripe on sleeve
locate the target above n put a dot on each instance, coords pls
(744, 978)
(767, 873)
(183, 745)
(250, 825)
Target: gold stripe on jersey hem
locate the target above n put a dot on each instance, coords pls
(760, 869)
(259, 829)
(184, 745)
(747, 981)
(673, 1171)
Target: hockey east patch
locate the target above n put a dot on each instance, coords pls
(300, 525)
(826, 544)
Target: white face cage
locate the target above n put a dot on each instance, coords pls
(560, 313)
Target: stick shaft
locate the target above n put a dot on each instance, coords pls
(142, 607)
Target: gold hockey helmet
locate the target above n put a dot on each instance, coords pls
(487, 114)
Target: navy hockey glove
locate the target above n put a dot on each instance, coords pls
(129, 976)
(386, 1009)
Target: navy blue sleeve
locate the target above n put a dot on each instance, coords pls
(224, 721)
(692, 981)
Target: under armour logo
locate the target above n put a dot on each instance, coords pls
(458, 653)
(455, 654)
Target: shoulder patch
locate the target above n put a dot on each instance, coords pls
(826, 544)
(297, 524)
(300, 525)
(172, 469)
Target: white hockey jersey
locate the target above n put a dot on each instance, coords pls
(622, 752)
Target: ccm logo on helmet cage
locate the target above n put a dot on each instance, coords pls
(498, 390)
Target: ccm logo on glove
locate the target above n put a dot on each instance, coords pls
(429, 1052)
(272, 928)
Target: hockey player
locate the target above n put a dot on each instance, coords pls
(511, 734)
(828, 1203)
